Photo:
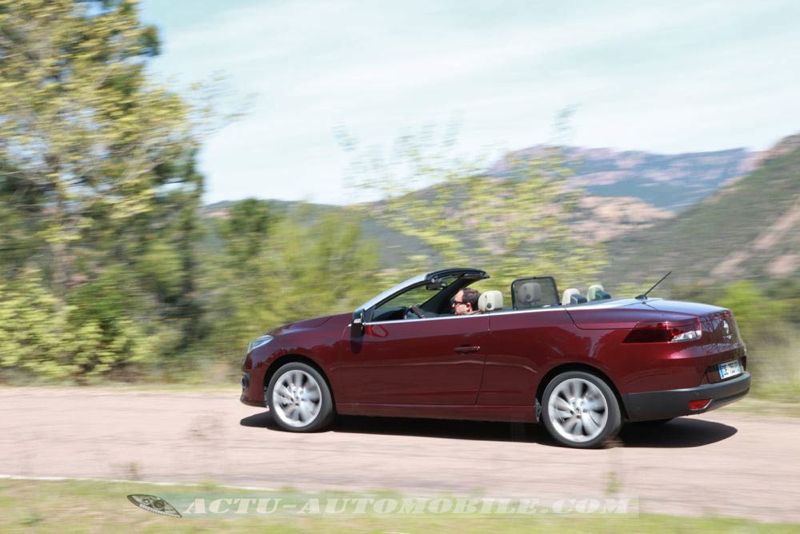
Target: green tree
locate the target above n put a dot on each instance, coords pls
(98, 187)
(41, 335)
(512, 225)
(761, 320)
(271, 268)
(245, 231)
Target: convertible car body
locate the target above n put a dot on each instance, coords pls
(582, 366)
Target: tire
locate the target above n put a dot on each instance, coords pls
(580, 410)
(299, 398)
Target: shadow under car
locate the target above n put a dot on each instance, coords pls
(679, 433)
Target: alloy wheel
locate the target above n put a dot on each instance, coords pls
(296, 398)
(578, 410)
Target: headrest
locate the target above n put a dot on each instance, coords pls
(570, 296)
(596, 292)
(529, 293)
(490, 301)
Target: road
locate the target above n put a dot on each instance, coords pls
(718, 463)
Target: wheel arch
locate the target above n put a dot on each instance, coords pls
(578, 366)
(299, 358)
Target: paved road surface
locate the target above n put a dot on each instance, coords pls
(718, 463)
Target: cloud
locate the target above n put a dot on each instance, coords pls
(667, 77)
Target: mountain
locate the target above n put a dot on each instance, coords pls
(750, 228)
(744, 220)
(667, 181)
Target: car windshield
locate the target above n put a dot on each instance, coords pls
(412, 297)
(392, 290)
(417, 296)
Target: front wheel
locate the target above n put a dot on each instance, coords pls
(299, 399)
(580, 410)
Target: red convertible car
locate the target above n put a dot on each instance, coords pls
(580, 364)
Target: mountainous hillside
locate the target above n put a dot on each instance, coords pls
(668, 181)
(749, 229)
(743, 227)
(646, 187)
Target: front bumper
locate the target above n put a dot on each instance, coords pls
(654, 405)
(245, 398)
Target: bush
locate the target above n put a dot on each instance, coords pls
(773, 347)
(761, 320)
(44, 336)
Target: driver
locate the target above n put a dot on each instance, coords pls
(465, 302)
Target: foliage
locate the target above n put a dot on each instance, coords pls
(511, 227)
(759, 318)
(274, 269)
(89, 141)
(764, 324)
(43, 336)
(98, 189)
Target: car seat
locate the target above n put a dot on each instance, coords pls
(596, 292)
(572, 296)
(490, 301)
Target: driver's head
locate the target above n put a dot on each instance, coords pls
(465, 301)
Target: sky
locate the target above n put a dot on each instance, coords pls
(666, 76)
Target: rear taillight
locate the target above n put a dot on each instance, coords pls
(731, 330)
(666, 332)
(699, 404)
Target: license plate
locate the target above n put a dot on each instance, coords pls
(729, 369)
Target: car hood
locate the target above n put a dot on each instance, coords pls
(309, 324)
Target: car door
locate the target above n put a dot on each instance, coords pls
(521, 344)
(431, 361)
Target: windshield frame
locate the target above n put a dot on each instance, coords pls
(465, 273)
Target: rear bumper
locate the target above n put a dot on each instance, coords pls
(653, 405)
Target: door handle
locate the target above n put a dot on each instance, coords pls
(467, 348)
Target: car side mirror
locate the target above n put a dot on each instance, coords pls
(357, 324)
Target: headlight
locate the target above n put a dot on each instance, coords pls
(258, 342)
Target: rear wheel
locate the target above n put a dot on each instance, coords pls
(580, 410)
(299, 398)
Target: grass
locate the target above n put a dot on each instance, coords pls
(91, 506)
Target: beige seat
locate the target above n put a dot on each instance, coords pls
(571, 296)
(596, 292)
(490, 301)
